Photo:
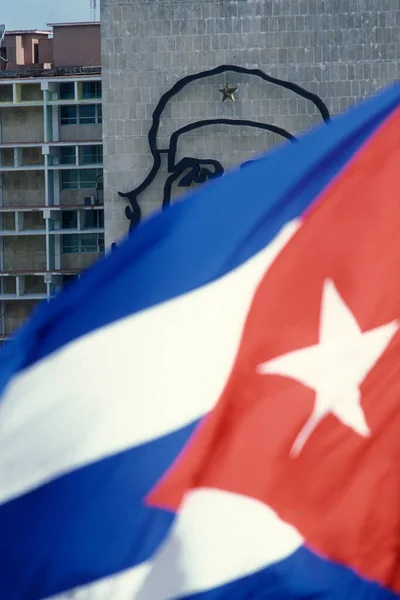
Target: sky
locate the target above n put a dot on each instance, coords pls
(34, 14)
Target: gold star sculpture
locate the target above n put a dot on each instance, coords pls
(228, 92)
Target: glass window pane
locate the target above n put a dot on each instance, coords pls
(92, 242)
(67, 91)
(67, 279)
(100, 180)
(87, 114)
(88, 155)
(89, 221)
(93, 219)
(101, 242)
(91, 89)
(99, 113)
(91, 155)
(88, 179)
(70, 244)
(67, 155)
(69, 219)
(68, 115)
(69, 179)
(89, 242)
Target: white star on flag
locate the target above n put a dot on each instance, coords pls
(336, 366)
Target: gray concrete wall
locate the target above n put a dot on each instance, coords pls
(31, 92)
(15, 313)
(83, 133)
(24, 252)
(34, 285)
(78, 261)
(34, 220)
(70, 197)
(22, 124)
(343, 50)
(23, 188)
(7, 157)
(6, 93)
(32, 156)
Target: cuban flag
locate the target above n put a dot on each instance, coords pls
(213, 410)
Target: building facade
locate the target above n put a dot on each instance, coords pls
(51, 170)
(338, 50)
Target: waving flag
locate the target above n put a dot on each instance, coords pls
(213, 411)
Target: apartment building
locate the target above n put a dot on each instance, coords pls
(51, 164)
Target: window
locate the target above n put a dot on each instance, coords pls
(85, 243)
(91, 155)
(89, 178)
(91, 89)
(92, 242)
(68, 279)
(88, 114)
(36, 53)
(69, 219)
(84, 179)
(70, 244)
(67, 155)
(67, 91)
(70, 179)
(68, 115)
(93, 219)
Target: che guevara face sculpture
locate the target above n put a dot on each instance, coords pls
(191, 170)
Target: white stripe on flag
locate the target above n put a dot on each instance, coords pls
(127, 383)
(217, 537)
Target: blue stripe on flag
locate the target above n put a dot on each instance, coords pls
(301, 576)
(201, 239)
(87, 524)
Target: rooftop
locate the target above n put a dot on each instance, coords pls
(78, 23)
(54, 72)
(29, 32)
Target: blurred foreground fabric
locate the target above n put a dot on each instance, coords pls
(213, 410)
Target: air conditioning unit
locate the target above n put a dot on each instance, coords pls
(47, 278)
(89, 200)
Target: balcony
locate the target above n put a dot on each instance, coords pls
(64, 220)
(21, 94)
(27, 158)
(37, 284)
(22, 287)
(22, 223)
